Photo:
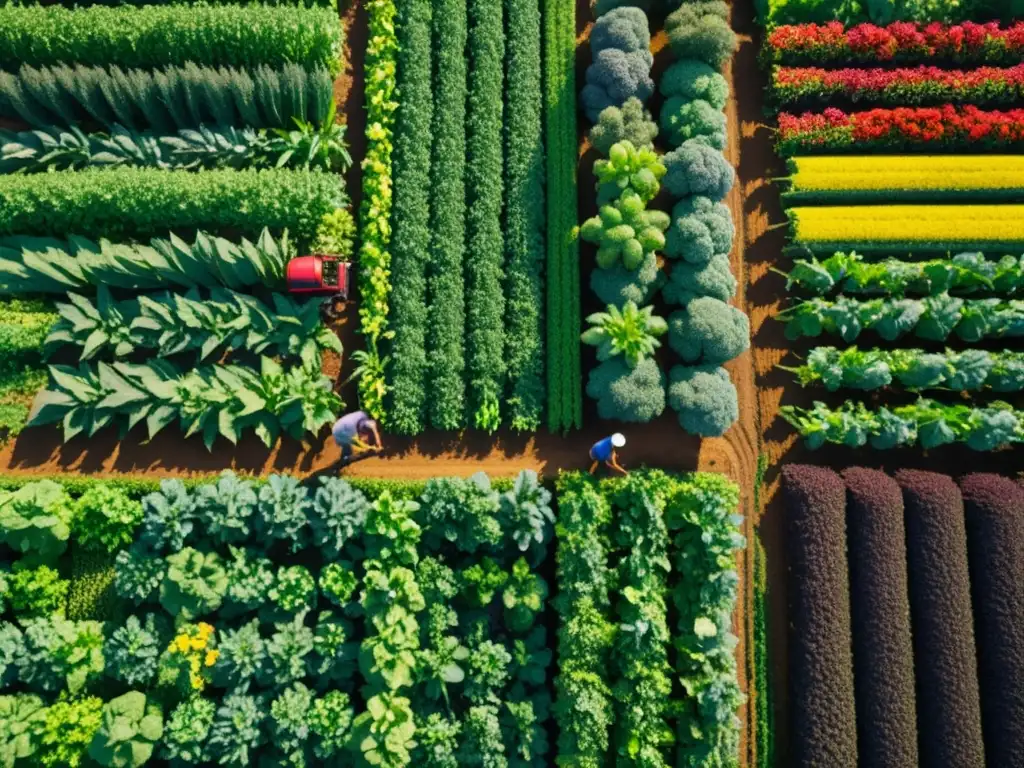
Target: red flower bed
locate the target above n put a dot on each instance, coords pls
(902, 41)
(902, 87)
(904, 129)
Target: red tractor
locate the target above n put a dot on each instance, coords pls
(320, 275)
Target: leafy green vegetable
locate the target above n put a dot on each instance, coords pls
(35, 519)
(629, 331)
(130, 730)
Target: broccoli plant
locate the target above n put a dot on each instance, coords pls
(195, 583)
(482, 743)
(683, 120)
(60, 653)
(334, 657)
(525, 734)
(709, 331)
(242, 655)
(132, 652)
(12, 648)
(463, 512)
(236, 732)
(105, 518)
(385, 731)
(690, 80)
(283, 510)
(700, 229)
(289, 724)
(696, 168)
(392, 536)
(437, 741)
(523, 597)
(22, 718)
(632, 123)
(625, 232)
(338, 514)
(487, 669)
(38, 591)
(526, 511)
(628, 168)
(35, 519)
(187, 730)
(627, 394)
(629, 332)
(138, 575)
(689, 281)
(250, 579)
(338, 582)
(704, 397)
(287, 650)
(130, 730)
(330, 720)
(617, 285)
(226, 508)
(167, 517)
(294, 590)
(621, 68)
(391, 600)
(701, 31)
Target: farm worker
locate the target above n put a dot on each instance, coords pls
(604, 450)
(356, 433)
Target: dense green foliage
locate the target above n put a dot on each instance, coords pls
(485, 274)
(410, 217)
(145, 201)
(41, 265)
(565, 401)
(621, 68)
(630, 332)
(165, 100)
(632, 123)
(704, 397)
(629, 394)
(524, 216)
(375, 211)
(303, 147)
(23, 326)
(446, 274)
(157, 35)
(615, 694)
(700, 31)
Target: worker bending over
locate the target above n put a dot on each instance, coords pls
(356, 433)
(604, 451)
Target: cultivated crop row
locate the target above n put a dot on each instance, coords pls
(210, 133)
(924, 601)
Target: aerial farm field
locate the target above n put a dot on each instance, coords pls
(773, 243)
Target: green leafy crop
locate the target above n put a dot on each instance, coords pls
(130, 730)
(625, 232)
(629, 332)
(628, 168)
(35, 519)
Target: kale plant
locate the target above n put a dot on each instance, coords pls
(226, 508)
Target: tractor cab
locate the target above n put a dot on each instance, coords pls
(319, 275)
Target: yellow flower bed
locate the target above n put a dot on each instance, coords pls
(933, 173)
(191, 648)
(910, 223)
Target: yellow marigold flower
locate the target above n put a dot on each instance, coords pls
(181, 642)
(196, 682)
(211, 657)
(198, 643)
(193, 663)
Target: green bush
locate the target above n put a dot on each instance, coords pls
(335, 234)
(139, 574)
(628, 169)
(709, 331)
(617, 285)
(565, 405)
(690, 79)
(631, 122)
(691, 281)
(186, 731)
(60, 653)
(38, 591)
(701, 31)
(621, 67)
(524, 217)
(294, 590)
(168, 99)
(22, 717)
(683, 120)
(485, 296)
(705, 399)
(627, 394)
(157, 35)
(132, 651)
(700, 229)
(105, 518)
(236, 732)
(71, 724)
(446, 271)
(130, 730)
(35, 519)
(140, 201)
(410, 216)
(695, 168)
